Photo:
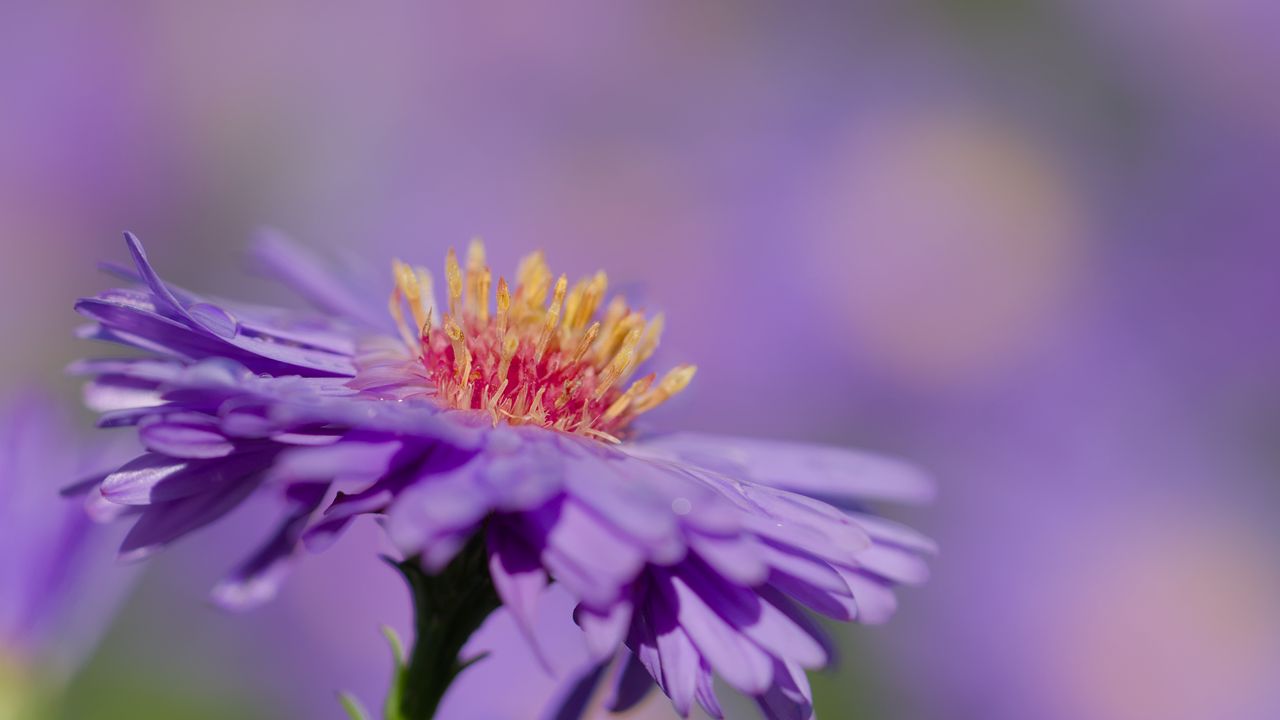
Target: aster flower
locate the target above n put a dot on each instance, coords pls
(495, 435)
(49, 551)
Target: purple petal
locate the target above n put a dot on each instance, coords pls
(572, 701)
(133, 483)
(192, 328)
(738, 558)
(584, 553)
(366, 460)
(341, 512)
(258, 579)
(754, 617)
(604, 631)
(884, 531)
(805, 523)
(633, 683)
(167, 302)
(216, 320)
(875, 599)
(435, 509)
(706, 693)
(283, 326)
(163, 523)
(804, 567)
(522, 477)
(114, 392)
(128, 324)
(839, 606)
(801, 619)
(186, 435)
(828, 472)
(894, 564)
(150, 479)
(443, 549)
(738, 660)
(283, 259)
(519, 579)
(680, 659)
(619, 490)
(644, 645)
(789, 698)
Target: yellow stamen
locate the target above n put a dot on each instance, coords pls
(395, 305)
(478, 279)
(612, 340)
(424, 333)
(475, 255)
(407, 282)
(480, 298)
(533, 278)
(619, 406)
(571, 303)
(461, 354)
(616, 310)
(408, 291)
(591, 299)
(620, 364)
(652, 334)
(453, 275)
(588, 338)
(673, 382)
(602, 435)
(552, 317)
(504, 305)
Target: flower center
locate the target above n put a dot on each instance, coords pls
(561, 362)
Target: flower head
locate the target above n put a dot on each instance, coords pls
(509, 420)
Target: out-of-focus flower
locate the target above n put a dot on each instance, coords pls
(1189, 602)
(953, 294)
(511, 426)
(47, 624)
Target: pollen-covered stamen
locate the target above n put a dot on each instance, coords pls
(478, 279)
(545, 355)
(453, 276)
(551, 319)
(412, 288)
(504, 305)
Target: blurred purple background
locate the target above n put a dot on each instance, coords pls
(1032, 245)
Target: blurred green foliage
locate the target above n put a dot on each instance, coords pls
(134, 676)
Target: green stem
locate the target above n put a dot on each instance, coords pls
(447, 608)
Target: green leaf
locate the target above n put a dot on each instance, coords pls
(354, 709)
(399, 675)
(397, 645)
